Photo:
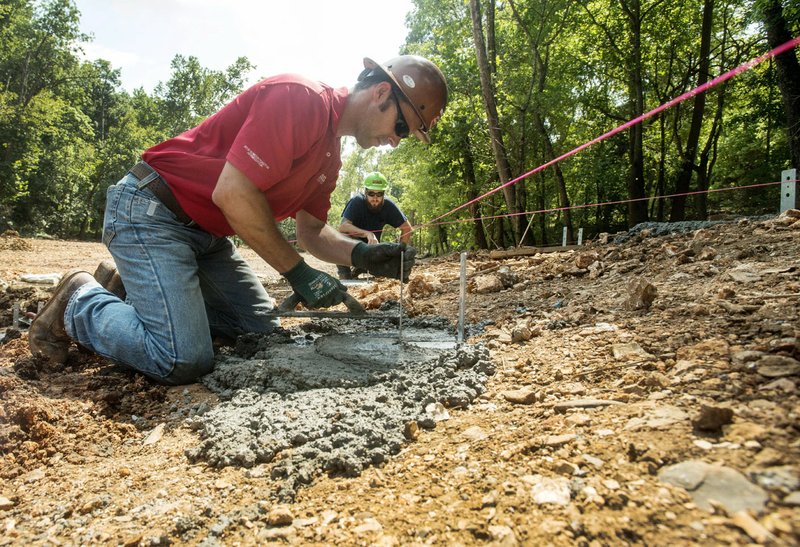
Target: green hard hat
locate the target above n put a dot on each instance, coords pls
(376, 181)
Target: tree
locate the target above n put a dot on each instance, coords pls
(787, 68)
(193, 92)
(496, 137)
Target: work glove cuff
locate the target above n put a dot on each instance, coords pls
(298, 272)
(358, 256)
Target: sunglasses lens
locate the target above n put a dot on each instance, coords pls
(375, 194)
(401, 128)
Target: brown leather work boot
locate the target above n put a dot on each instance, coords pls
(107, 275)
(47, 336)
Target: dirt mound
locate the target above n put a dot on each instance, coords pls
(11, 240)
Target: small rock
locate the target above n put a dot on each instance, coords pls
(744, 273)
(522, 396)
(280, 516)
(558, 440)
(155, 435)
(781, 384)
(792, 500)
(591, 460)
(712, 418)
(475, 433)
(411, 431)
(486, 284)
(5, 504)
(641, 294)
(768, 457)
(777, 366)
(702, 444)
(752, 528)
(579, 419)
(546, 490)
(630, 352)
(503, 536)
(611, 484)
(781, 478)
(437, 412)
(566, 468)
(583, 403)
(369, 525)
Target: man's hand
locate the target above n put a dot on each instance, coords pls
(316, 288)
(383, 259)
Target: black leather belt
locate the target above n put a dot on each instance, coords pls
(159, 187)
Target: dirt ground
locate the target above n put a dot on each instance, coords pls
(614, 363)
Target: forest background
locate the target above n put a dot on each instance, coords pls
(529, 81)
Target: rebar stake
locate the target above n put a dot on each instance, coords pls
(462, 298)
(400, 318)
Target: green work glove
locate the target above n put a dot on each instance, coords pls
(383, 259)
(316, 288)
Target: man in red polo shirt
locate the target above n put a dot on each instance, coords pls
(272, 153)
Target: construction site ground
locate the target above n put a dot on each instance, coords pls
(644, 393)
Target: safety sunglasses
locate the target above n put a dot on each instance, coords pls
(401, 125)
(375, 194)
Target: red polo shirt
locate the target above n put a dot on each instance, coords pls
(281, 133)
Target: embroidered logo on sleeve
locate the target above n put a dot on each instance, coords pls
(255, 157)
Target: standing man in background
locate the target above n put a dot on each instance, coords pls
(366, 214)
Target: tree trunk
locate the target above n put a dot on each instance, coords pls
(471, 182)
(788, 70)
(637, 210)
(539, 72)
(496, 137)
(689, 156)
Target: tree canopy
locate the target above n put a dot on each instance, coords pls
(529, 82)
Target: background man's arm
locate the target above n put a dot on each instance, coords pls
(348, 228)
(405, 232)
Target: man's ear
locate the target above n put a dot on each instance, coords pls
(381, 91)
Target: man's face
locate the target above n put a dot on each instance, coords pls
(374, 200)
(387, 121)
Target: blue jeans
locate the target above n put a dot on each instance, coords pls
(184, 287)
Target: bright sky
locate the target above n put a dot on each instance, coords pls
(324, 40)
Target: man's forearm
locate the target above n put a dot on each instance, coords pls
(323, 241)
(247, 211)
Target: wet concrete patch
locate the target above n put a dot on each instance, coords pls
(335, 405)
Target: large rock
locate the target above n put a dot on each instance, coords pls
(720, 484)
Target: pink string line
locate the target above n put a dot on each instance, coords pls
(700, 89)
(601, 204)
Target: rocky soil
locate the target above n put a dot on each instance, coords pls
(644, 392)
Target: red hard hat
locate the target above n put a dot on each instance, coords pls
(422, 85)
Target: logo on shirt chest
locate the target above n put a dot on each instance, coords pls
(322, 178)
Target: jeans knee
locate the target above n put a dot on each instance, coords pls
(190, 365)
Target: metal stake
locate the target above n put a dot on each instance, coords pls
(462, 298)
(400, 318)
(788, 190)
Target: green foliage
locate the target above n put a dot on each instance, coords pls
(562, 73)
(67, 129)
